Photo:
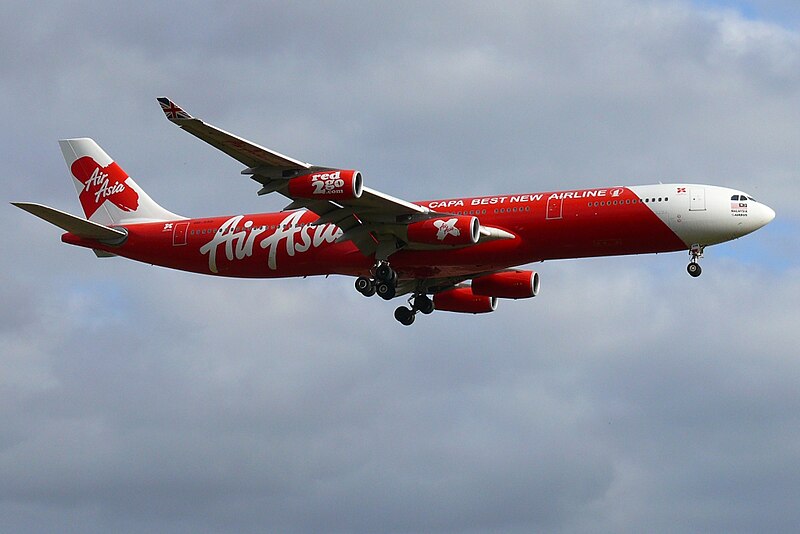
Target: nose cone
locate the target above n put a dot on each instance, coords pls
(769, 215)
(765, 215)
(760, 215)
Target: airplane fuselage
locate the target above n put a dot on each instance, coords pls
(546, 226)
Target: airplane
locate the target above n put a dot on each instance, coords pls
(456, 254)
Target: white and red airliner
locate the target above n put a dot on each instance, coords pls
(455, 254)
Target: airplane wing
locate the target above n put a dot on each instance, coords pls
(375, 222)
(240, 149)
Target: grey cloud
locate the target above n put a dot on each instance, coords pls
(474, 433)
(626, 397)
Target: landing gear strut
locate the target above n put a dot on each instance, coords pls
(418, 303)
(696, 252)
(384, 283)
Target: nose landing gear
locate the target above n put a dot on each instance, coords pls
(696, 252)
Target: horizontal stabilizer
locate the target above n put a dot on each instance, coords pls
(75, 225)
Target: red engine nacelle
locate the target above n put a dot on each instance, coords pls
(507, 285)
(463, 300)
(328, 185)
(455, 230)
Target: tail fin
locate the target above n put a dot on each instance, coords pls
(107, 194)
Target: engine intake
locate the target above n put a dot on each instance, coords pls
(507, 284)
(463, 300)
(328, 185)
(456, 230)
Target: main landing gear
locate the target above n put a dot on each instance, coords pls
(384, 283)
(696, 252)
(418, 303)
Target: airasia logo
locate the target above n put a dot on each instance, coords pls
(238, 239)
(101, 184)
(446, 228)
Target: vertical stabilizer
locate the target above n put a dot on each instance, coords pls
(107, 194)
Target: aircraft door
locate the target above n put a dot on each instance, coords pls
(179, 234)
(697, 200)
(555, 207)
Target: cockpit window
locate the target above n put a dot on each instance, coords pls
(751, 198)
(735, 197)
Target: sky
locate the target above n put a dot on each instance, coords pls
(626, 397)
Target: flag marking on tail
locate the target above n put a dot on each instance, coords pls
(101, 184)
(171, 109)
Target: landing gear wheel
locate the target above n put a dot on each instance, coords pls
(363, 284)
(385, 273)
(385, 290)
(404, 315)
(695, 253)
(424, 304)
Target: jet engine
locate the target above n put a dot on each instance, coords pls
(328, 185)
(463, 300)
(456, 230)
(507, 284)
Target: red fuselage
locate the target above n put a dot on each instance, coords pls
(553, 225)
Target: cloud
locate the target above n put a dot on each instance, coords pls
(625, 397)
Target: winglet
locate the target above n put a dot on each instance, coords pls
(173, 112)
